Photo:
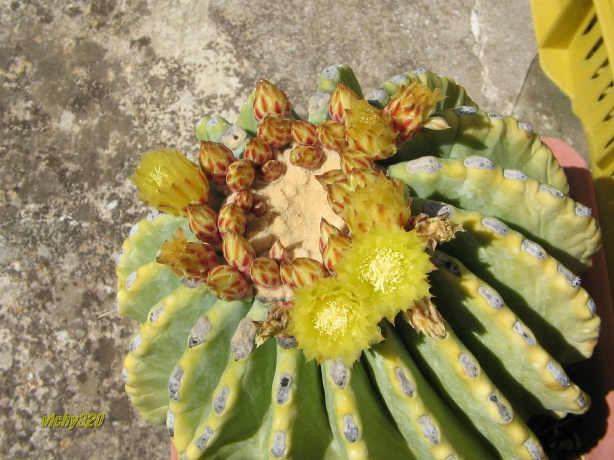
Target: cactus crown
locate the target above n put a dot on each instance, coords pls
(369, 205)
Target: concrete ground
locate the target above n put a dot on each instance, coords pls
(87, 85)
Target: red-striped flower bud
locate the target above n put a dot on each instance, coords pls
(240, 175)
(259, 208)
(237, 251)
(265, 272)
(355, 159)
(276, 130)
(304, 132)
(227, 283)
(331, 135)
(329, 177)
(270, 100)
(338, 195)
(257, 151)
(231, 217)
(278, 251)
(214, 159)
(243, 199)
(302, 271)
(341, 99)
(271, 170)
(326, 229)
(203, 223)
(334, 249)
(306, 156)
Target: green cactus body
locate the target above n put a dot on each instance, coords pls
(534, 284)
(194, 377)
(436, 335)
(458, 374)
(427, 423)
(490, 135)
(562, 226)
(521, 368)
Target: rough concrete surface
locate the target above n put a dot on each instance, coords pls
(87, 85)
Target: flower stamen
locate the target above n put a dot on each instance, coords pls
(333, 318)
(158, 176)
(383, 270)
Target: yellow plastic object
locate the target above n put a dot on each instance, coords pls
(576, 50)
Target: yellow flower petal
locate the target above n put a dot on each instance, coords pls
(169, 182)
(375, 200)
(370, 130)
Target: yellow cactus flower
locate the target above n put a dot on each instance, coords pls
(169, 182)
(330, 321)
(389, 267)
(378, 201)
(370, 130)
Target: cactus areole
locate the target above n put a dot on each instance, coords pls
(395, 276)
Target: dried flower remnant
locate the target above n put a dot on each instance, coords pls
(188, 259)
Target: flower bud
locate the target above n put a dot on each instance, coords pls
(331, 135)
(257, 151)
(243, 199)
(338, 195)
(330, 176)
(214, 159)
(276, 130)
(265, 272)
(203, 223)
(334, 249)
(237, 251)
(326, 229)
(304, 132)
(271, 170)
(270, 100)
(306, 156)
(278, 251)
(302, 271)
(341, 99)
(240, 175)
(259, 208)
(355, 159)
(227, 283)
(231, 217)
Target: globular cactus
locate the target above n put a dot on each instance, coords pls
(395, 277)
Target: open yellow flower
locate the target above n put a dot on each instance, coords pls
(387, 266)
(330, 321)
